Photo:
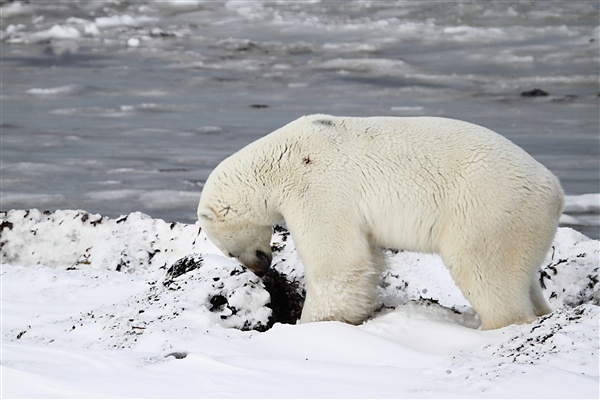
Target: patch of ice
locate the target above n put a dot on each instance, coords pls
(372, 65)
(169, 199)
(56, 32)
(123, 20)
(133, 42)
(351, 47)
(125, 110)
(408, 109)
(209, 129)
(581, 210)
(113, 195)
(583, 203)
(14, 9)
(28, 200)
(470, 33)
(501, 57)
(10, 29)
(65, 89)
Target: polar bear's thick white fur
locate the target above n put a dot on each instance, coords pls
(347, 187)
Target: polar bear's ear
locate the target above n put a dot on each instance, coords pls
(206, 214)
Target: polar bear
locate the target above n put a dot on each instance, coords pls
(347, 187)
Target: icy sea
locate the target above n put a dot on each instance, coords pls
(122, 106)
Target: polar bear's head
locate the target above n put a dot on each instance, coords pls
(249, 243)
(227, 221)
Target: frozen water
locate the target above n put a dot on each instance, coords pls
(116, 107)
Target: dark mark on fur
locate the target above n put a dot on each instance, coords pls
(326, 122)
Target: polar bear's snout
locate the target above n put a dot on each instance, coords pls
(263, 264)
(259, 264)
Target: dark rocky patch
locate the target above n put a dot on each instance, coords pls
(217, 302)
(287, 298)
(6, 224)
(589, 291)
(549, 334)
(182, 266)
(435, 302)
(284, 232)
(179, 355)
(534, 93)
(173, 170)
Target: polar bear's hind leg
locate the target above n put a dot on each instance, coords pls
(497, 283)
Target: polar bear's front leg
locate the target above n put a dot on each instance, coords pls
(343, 272)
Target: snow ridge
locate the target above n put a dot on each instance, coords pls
(76, 282)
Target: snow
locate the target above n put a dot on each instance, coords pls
(583, 203)
(380, 66)
(59, 90)
(15, 9)
(139, 307)
(122, 20)
(56, 32)
(582, 210)
(72, 29)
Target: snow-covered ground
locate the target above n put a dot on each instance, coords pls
(139, 307)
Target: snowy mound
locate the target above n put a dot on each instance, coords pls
(83, 282)
(176, 260)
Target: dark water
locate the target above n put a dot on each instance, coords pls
(116, 107)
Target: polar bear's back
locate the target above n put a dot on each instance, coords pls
(426, 149)
(421, 172)
(413, 137)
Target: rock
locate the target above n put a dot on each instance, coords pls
(534, 93)
(184, 265)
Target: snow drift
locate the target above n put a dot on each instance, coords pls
(85, 296)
